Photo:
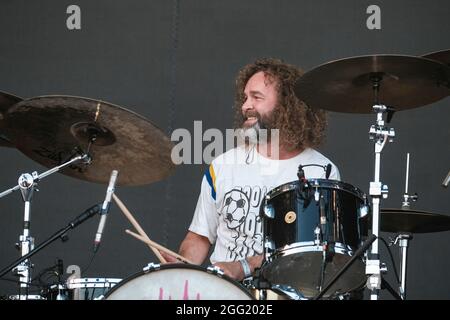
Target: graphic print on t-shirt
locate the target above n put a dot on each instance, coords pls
(240, 212)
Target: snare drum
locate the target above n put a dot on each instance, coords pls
(178, 282)
(310, 234)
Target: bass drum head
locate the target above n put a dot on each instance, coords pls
(178, 282)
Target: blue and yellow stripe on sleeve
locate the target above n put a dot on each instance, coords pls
(211, 178)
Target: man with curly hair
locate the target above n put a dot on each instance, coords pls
(236, 182)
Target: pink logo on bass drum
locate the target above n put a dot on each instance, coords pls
(185, 293)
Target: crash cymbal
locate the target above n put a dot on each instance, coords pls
(6, 100)
(346, 85)
(52, 129)
(412, 221)
(442, 56)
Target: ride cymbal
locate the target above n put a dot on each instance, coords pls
(52, 129)
(347, 85)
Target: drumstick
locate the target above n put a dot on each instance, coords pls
(158, 246)
(136, 225)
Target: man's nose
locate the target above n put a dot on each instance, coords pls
(247, 105)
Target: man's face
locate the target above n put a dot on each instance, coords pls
(260, 100)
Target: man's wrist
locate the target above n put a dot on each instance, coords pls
(246, 268)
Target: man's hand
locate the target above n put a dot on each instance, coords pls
(169, 258)
(234, 269)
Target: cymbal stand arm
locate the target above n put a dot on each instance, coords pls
(27, 183)
(36, 177)
(380, 134)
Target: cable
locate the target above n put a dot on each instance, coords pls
(83, 270)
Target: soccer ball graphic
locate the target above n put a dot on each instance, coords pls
(235, 208)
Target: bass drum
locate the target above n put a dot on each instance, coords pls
(178, 282)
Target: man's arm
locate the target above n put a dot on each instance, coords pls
(194, 248)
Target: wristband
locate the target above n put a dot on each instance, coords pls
(245, 267)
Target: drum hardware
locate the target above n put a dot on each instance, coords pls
(407, 197)
(403, 241)
(90, 288)
(45, 280)
(151, 267)
(215, 270)
(369, 80)
(24, 260)
(51, 129)
(347, 265)
(405, 222)
(27, 184)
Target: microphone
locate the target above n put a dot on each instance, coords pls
(327, 170)
(446, 180)
(301, 173)
(105, 208)
(304, 186)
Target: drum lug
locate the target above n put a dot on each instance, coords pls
(363, 211)
(151, 267)
(269, 212)
(215, 270)
(269, 247)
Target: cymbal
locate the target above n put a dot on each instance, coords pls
(52, 129)
(346, 85)
(6, 100)
(412, 221)
(442, 56)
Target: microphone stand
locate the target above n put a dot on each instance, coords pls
(59, 234)
(27, 184)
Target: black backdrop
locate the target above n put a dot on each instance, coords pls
(174, 62)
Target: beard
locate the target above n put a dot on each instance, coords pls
(260, 130)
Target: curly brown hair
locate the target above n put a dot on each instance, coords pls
(300, 126)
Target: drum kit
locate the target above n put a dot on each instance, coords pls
(320, 235)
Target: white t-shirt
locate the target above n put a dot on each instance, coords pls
(232, 190)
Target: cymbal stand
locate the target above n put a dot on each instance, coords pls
(380, 134)
(27, 183)
(404, 238)
(403, 242)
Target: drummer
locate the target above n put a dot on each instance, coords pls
(234, 185)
